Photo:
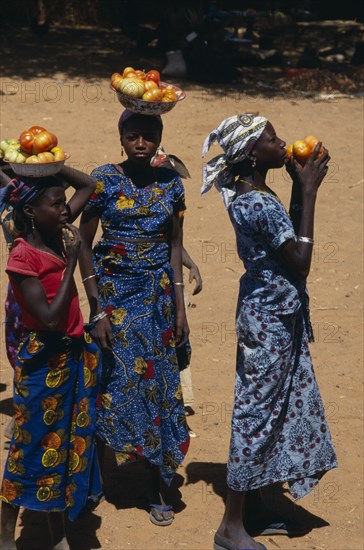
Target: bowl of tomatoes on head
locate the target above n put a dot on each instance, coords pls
(144, 92)
(35, 153)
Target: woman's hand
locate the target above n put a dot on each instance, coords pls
(182, 329)
(72, 241)
(310, 175)
(102, 334)
(195, 275)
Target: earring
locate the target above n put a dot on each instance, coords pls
(122, 151)
(254, 163)
(32, 224)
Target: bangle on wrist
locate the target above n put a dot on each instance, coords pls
(89, 277)
(306, 240)
(98, 317)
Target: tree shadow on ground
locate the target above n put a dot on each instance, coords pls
(78, 53)
(275, 496)
(96, 53)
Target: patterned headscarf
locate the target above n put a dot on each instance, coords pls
(17, 193)
(237, 135)
(13, 197)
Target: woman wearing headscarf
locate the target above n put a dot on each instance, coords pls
(55, 375)
(279, 430)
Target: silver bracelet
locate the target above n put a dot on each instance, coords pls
(179, 284)
(98, 317)
(89, 277)
(305, 240)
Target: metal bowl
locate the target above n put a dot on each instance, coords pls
(40, 170)
(140, 106)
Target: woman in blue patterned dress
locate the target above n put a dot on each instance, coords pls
(279, 430)
(133, 280)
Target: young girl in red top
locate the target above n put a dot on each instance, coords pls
(51, 464)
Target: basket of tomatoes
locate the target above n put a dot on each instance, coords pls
(35, 153)
(144, 92)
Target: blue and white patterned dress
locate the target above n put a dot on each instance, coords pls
(279, 428)
(140, 407)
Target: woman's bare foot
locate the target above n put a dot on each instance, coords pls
(233, 537)
(231, 534)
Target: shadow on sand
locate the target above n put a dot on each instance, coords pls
(128, 486)
(276, 501)
(72, 54)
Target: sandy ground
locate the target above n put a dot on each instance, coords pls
(83, 114)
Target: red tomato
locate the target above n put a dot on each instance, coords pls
(26, 141)
(153, 75)
(44, 142)
(36, 129)
(140, 74)
(37, 140)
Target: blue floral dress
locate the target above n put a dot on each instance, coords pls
(279, 428)
(140, 407)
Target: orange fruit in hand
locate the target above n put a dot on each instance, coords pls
(301, 151)
(289, 151)
(312, 142)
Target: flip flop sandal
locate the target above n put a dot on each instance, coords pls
(160, 508)
(223, 544)
(281, 527)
